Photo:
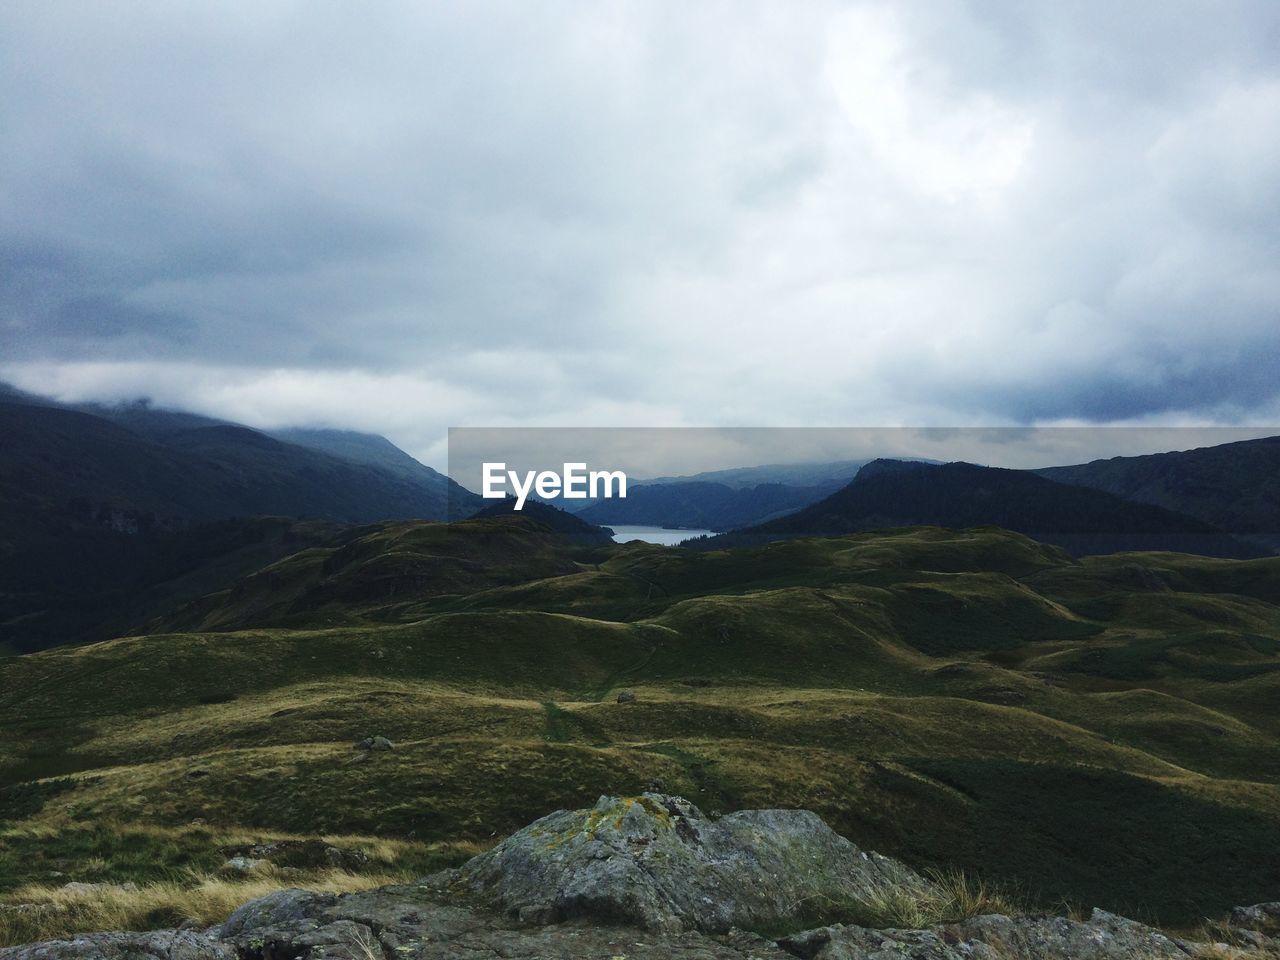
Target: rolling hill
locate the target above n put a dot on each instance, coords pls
(1098, 730)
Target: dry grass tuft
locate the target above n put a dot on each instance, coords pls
(1222, 941)
(49, 913)
(954, 896)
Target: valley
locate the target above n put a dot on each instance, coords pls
(1094, 731)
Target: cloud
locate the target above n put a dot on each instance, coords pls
(408, 216)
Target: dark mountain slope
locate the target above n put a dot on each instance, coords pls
(889, 493)
(368, 448)
(832, 475)
(102, 525)
(1234, 486)
(197, 470)
(80, 584)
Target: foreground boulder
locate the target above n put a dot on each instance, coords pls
(644, 878)
(658, 863)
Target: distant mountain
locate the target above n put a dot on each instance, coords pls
(172, 468)
(1234, 486)
(702, 505)
(142, 417)
(890, 493)
(832, 475)
(370, 448)
(724, 499)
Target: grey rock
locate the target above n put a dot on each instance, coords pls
(244, 865)
(374, 743)
(658, 863)
(154, 945)
(626, 696)
(305, 854)
(274, 910)
(1104, 936)
(411, 922)
(334, 940)
(1260, 916)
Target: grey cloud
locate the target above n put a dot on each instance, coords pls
(981, 211)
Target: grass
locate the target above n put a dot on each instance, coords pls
(53, 912)
(1222, 941)
(49, 853)
(953, 895)
(1099, 731)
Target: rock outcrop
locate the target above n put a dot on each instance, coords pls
(642, 878)
(658, 863)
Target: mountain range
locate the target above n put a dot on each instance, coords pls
(112, 516)
(1083, 520)
(703, 504)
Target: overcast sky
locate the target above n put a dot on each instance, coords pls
(401, 217)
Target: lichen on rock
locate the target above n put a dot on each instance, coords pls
(659, 863)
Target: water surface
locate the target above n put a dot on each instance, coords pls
(668, 538)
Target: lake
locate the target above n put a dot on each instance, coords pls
(668, 538)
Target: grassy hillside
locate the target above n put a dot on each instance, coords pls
(1101, 731)
(88, 584)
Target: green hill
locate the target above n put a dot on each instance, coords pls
(1101, 730)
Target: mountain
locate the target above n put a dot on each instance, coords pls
(724, 499)
(368, 448)
(834, 475)
(182, 467)
(96, 504)
(701, 504)
(1233, 486)
(894, 493)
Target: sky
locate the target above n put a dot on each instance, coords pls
(401, 217)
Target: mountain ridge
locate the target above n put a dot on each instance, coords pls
(892, 493)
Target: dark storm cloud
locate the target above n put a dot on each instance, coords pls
(400, 215)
